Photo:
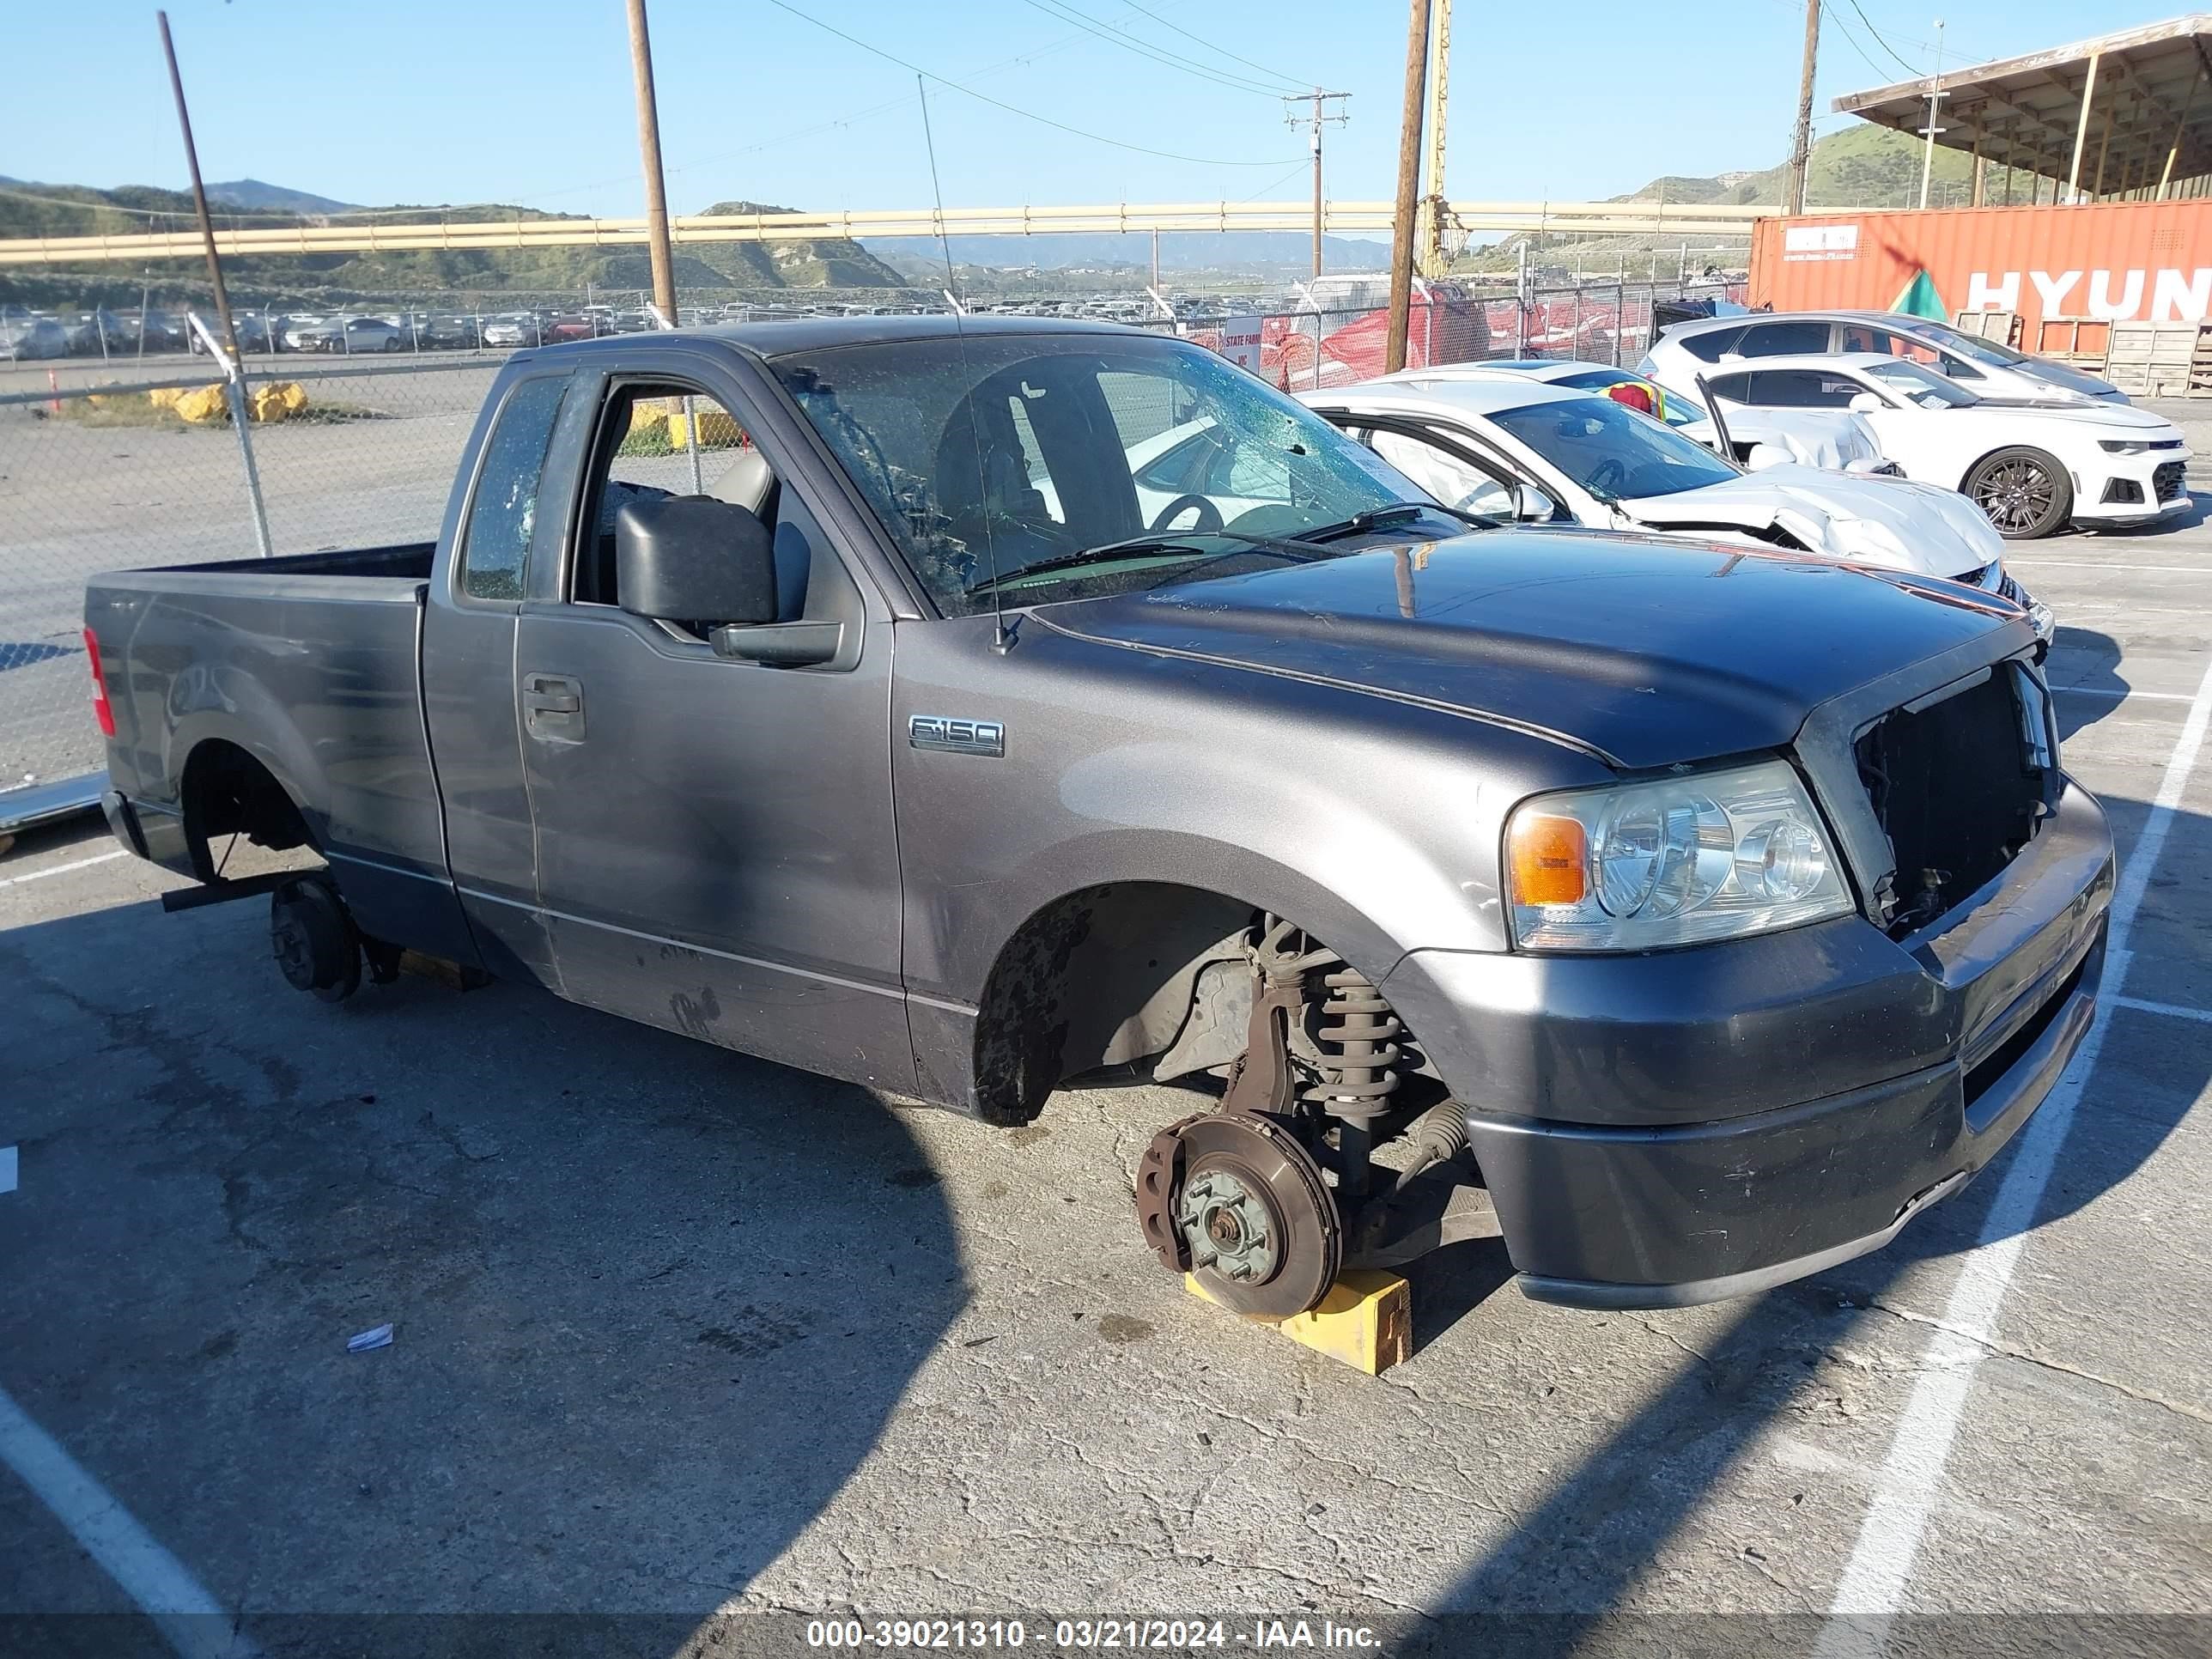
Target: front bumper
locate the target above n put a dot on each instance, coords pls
(2128, 489)
(1696, 1124)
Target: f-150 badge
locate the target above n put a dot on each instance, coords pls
(955, 737)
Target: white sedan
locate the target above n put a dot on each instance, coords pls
(2032, 468)
(1835, 438)
(1548, 454)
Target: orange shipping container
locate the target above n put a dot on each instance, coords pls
(2069, 271)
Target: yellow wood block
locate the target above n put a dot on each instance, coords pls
(716, 429)
(1365, 1321)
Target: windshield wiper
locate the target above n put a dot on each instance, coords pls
(1360, 523)
(1177, 541)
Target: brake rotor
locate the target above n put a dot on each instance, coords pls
(1235, 1198)
(314, 939)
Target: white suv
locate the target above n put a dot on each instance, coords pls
(1993, 373)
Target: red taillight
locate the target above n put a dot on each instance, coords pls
(100, 710)
(1635, 396)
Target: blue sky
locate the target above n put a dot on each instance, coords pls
(530, 101)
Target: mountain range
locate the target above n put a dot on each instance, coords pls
(1861, 166)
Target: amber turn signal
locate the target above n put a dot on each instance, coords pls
(1548, 858)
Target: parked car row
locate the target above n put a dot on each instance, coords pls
(100, 332)
(1511, 446)
(27, 335)
(2037, 446)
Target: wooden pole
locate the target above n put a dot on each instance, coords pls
(2181, 128)
(1409, 182)
(1316, 181)
(199, 197)
(1801, 135)
(2081, 129)
(649, 144)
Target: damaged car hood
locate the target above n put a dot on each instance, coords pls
(1890, 522)
(1644, 652)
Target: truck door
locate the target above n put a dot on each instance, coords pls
(716, 846)
(503, 530)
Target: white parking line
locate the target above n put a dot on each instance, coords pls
(164, 1590)
(2122, 693)
(2170, 1010)
(61, 869)
(1905, 1490)
(2102, 564)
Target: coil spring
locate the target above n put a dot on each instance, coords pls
(1358, 1032)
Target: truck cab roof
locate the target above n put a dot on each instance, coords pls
(778, 337)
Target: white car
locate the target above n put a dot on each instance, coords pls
(1994, 371)
(1813, 437)
(1550, 454)
(2032, 468)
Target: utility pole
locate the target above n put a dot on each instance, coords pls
(1801, 138)
(649, 144)
(1409, 184)
(199, 201)
(1317, 120)
(1935, 98)
(1432, 184)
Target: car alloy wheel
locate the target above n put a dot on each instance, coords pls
(2024, 492)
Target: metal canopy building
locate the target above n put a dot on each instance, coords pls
(2127, 117)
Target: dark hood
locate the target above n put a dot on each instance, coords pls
(1647, 652)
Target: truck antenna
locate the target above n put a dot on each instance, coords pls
(1002, 637)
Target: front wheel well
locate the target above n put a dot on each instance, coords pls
(228, 791)
(1100, 977)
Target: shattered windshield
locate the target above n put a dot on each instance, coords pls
(994, 455)
(1614, 452)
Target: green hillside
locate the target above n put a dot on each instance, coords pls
(1862, 166)
(77, 210)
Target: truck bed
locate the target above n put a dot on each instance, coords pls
(402, 561)
(309, 664)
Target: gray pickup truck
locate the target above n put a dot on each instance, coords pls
(961, 708)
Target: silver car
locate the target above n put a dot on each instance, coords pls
(347, 335)
(1991, 371)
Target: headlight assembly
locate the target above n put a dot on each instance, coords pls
(1637, 866)
(2123, 446)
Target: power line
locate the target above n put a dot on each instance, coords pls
(1013, 109)
(1235, 82)
(1880, 41)
(1224, 52)
(1851, 38)
(872, 111)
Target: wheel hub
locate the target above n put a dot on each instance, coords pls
(1235, 1198)
(1228, 1228)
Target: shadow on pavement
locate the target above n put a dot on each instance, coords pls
(653, 1301)
(2095, 687)
(2200, 507)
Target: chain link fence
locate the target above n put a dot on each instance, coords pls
(150, 472)
(98, 476)
(1595, 322)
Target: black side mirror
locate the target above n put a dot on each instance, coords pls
(692, 558)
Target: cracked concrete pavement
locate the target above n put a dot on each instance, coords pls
(680, 1332)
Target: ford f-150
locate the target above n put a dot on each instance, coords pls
(851, 693)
